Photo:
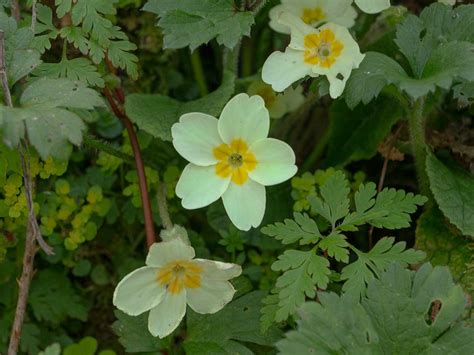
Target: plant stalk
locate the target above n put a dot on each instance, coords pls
(196, 63)
(416, 124)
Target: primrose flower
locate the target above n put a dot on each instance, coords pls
(231, 158)
(172, 279)
(314, 13)
(329, 50)
(277, 105)
(372, 6)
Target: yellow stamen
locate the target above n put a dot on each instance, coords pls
(235, 160)
(311, 16)
(322, 49)
(178, 275)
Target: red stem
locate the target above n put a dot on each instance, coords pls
(147, 214)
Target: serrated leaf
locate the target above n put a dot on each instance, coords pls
(24, 61)
(192, 23)
(210, 333)
(444, 245)
(334, 203)
(368, 265)
(302, 228)
(50, 93)
(62, 7)
(120, 56)
(453, 190)
(155, 114)
(133, 333)
(356, 135)
(374, 73)
(75, 69)
(464, 93)
(268, 311)
(395, 318)
(53, 285)
(304, 270)
(336, 246)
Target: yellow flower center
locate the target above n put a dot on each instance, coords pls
(322, 49)
(178, 275)
(235, 160)
(311, 16)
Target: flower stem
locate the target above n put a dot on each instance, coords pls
(416, 123)
(199, 72)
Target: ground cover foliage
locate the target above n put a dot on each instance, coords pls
(367, 249)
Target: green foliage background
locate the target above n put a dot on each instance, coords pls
(329, 229)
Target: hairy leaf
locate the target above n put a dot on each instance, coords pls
(192, 23)
(453, 190)
(302, 229)
(361, 272)
(156, 114)
(396, 317)
(214, 333)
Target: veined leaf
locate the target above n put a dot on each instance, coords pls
(192, 23)
(302, 229)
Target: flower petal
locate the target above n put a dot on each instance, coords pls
(211, 297)
(195, 136)
(280, 70)
(274, 15)
(244, 117)
(162, 253)
(216, 270)
(349, 59)
(298, 30)
(200, 186)
(139, 291)
(166, 316)
(245, 204)
(275, 162)
(373, 6)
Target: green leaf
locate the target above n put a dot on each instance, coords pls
(361, 272)
(80, 69)
(49, 130)
(334, 204)
(336, 246)
(398, 301)
(453, 190)
(374, 73)
(50, 93)
(62, 7)
(51, 285)
(336, 325)
(356, 135)
(268, 311)
(87, 346)
(302, 229)
(155, 114)
(464, 93)
(304, 270)
(192, 23)
(23, 62)
(120, 56)
(444, 245)
(133, 333)
(215, 334)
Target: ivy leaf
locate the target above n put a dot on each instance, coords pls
(304, 270)
(50, 93)
(361, 272)
(399, 300)
(53, 285)
(356, 135)
(213, 333)
(336, 246)
(453, 190)
(155, 114)
(303, 229)
(192, 23)
(334, 204)
(80, 69)
(133, 333)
